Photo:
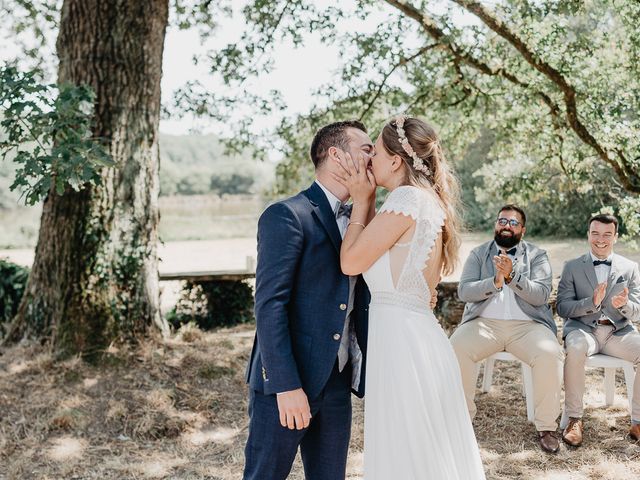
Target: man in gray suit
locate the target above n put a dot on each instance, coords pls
(506, 283)
(598, 297)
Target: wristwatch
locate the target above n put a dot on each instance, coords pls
(510, 277)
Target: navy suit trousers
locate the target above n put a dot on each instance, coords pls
(271, 448)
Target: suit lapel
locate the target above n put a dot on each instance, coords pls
(488, 257)
(613, 275)
(589, 270)
(324, 213)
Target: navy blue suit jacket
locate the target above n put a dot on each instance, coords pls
(300, 297)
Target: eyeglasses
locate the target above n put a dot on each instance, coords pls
(503, 222)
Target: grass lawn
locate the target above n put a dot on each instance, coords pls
(176, 409)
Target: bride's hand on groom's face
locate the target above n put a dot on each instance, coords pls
(355, 175)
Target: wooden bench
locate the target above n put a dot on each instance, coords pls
(214, 275)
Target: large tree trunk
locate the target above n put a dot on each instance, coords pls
(95, 274)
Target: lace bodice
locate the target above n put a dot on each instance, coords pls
(397, 277)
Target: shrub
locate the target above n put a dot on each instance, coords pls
(13, 280)
(213, 304)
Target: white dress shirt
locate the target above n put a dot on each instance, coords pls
(602, 274)
(503, 305)
(602, 270)
(335, 202)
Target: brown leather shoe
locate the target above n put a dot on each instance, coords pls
(548, 441)
(572, 434)
(635, 432)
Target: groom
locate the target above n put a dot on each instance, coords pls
(311, 325)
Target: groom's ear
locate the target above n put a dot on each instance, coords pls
(332, 152)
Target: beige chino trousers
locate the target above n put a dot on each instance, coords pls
(529, 341)
(579, 344)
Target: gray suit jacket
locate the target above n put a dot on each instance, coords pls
(531, 284)
(575, 295)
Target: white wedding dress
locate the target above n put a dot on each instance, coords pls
(417, 426)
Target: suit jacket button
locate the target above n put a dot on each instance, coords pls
(343, 306)
(336, 336)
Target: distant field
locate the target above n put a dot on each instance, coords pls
(202, 232)
(207, 217)
(197, 217)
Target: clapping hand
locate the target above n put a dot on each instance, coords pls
(621, 299)
(355, 175)
(503, 265)
(599, 293)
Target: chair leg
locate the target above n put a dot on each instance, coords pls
(487, 379)
(564, 419)
(609, 385)
(629, 379)
(527, 382)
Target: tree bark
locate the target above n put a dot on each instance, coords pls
(95, 275)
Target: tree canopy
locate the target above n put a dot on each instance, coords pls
(537, 102)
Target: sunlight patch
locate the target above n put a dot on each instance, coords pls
(611, 470)
(560, 475)
(17, 367)
(90, 382)
(159, 468)
(66, 448)
(523, 456)
(355, 463)
(219, 435)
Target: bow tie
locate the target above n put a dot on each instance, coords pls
(343, 210)
(602, 262)
(511, 251)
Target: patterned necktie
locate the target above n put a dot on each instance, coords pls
(602, 262)
(343, 210)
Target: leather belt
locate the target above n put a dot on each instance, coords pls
(604, 321)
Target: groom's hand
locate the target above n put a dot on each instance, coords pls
(294, 409)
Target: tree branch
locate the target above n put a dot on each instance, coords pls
(623, 168)
(403, 61)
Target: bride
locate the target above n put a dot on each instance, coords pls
(417, 425)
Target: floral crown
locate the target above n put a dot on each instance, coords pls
(418, 163)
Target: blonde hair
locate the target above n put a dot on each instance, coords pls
(439, 177)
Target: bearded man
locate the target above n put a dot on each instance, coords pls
(506, 283)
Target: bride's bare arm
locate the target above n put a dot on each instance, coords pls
(361, 247)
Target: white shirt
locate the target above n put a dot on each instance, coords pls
(503, 305)
(602, 274)
(602, 270)
(335, 202)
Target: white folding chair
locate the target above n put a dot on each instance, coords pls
(527, 378)
(610, 364)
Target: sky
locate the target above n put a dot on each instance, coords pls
(297, 72)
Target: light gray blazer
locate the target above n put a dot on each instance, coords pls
(575, 295)
(531, 283)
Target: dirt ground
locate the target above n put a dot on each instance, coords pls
(176, 409)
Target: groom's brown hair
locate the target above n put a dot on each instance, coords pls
(332, 135)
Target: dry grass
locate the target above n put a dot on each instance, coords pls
(177, 410)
